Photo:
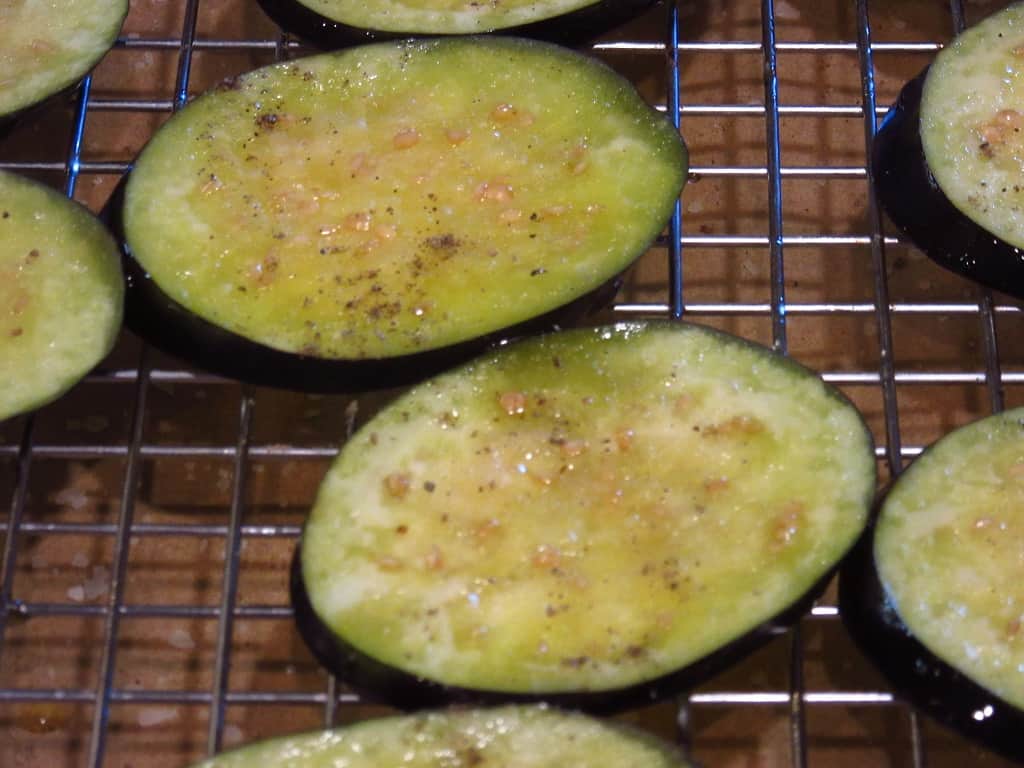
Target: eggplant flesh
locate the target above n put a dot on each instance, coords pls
(946, 159)
(338, 24)
(554, 521)
(370, 233)
(386, 684)
(929, 593)
(60, 294)
(505, 737)
(176, 330)
(45, 50)
(917, 205)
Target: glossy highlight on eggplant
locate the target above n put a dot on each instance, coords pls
(918, 675)
(546, 524)
(934, 677)
(336, 28)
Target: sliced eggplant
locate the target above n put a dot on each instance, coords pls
(507, 737)
(337, 23)
(365, 218)
(597, 518)
(946, 158)
(60, 294)
(934, 596)
(47, 47)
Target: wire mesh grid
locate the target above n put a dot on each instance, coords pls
(153, 510)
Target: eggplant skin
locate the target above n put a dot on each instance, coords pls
(174, 329)
(573, 28)
(501, 737)
(61, 294)
(383, 674)
(169, 326)
(477, 308)
(914, 202)
(394, 687)
(918, 675)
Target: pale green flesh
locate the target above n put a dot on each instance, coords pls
(509, 737)
(442, 16)
(46, 45)
(972, 123)
(397, 198)
(60, 294)
(664, 490)
(949, 551)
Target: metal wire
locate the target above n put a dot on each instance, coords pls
(886, 378)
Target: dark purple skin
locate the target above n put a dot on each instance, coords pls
(389, 685)
(917, 675)
(9, 120)
(173, 328)
(910, 195)
(573, 28)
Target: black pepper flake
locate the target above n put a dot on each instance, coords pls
(442, 242)
(575, 661)
(267, 121)
(429, 487)
(537, 271)
(6, 214)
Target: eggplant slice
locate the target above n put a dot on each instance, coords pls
(596, 518)
(338, 23)
(507, 737)
(945, 159)
(60, 294)
(46, 47)
(934, 596)
(369, 217)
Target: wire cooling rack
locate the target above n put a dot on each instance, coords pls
(150, 514)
